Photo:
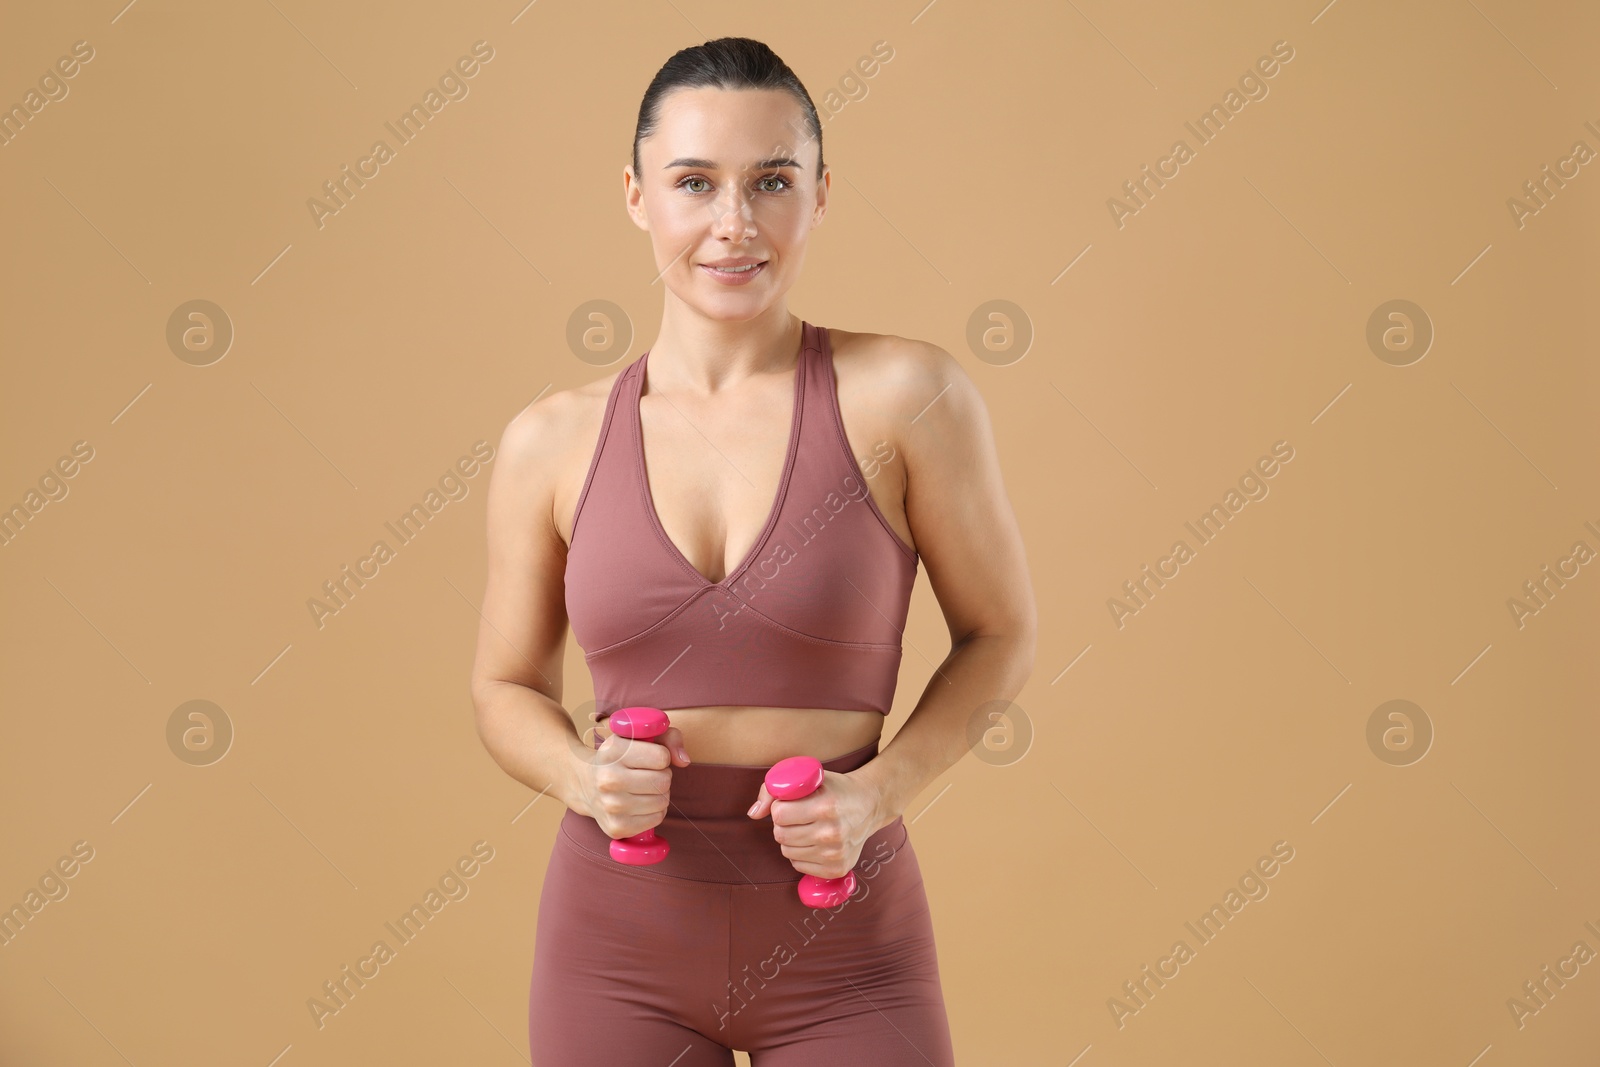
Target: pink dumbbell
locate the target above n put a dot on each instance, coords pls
(792, 779)
(639, 724)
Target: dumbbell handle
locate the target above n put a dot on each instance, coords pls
(792, 779)
(639, 724)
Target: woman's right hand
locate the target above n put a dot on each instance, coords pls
(625, 784)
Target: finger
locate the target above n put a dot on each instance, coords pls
(646, 755)
(608, 751)
(672, 741)
(639, 787)
(800, 812)
(650, 784)
(812, 860)
(763, 803)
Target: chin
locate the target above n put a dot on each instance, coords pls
(730, 307)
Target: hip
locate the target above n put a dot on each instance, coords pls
(711, 838)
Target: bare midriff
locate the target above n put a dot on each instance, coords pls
(762, 736)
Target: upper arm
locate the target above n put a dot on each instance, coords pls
(964, 528)
(523, 624)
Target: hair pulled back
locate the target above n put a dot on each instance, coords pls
(725, 63)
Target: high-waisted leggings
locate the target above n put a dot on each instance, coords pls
(677, 963)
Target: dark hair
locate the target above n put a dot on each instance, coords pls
(726, 63)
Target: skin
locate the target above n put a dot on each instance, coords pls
(722, 365)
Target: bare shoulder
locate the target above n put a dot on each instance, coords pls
(551, 418)
(901, 376)
(548, 444)
(914, 408)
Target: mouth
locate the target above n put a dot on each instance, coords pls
(735, 274)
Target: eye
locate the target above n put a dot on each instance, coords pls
(782, 183)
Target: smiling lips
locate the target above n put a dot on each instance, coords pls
(740, 271)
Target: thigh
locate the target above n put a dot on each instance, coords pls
(854, 984)
(625, 966)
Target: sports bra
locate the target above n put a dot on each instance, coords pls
(810, 618)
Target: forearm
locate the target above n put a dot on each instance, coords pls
(532, 738)
(935, 736)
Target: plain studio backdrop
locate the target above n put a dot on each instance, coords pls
(1307, 290)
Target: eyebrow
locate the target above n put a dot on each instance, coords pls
(711, 164)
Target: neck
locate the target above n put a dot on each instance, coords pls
(704, 355)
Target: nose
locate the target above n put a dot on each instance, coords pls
(731, 216)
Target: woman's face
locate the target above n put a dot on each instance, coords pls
(729, 180)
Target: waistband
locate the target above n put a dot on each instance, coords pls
(712, 838)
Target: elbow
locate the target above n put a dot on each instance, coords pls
(1022, 636)
(487, 710)
(1026, 628)
(1019, 636)
(1018, 629)
(1027, 650)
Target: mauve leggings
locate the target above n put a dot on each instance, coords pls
(676, 964)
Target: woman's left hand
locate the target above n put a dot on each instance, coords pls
(823, 834)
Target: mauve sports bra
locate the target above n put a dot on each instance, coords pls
(810, 618)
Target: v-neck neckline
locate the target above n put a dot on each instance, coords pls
(797, 408)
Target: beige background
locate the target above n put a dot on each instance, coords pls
(1229, 313)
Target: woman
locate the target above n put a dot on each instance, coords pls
(703, 522)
